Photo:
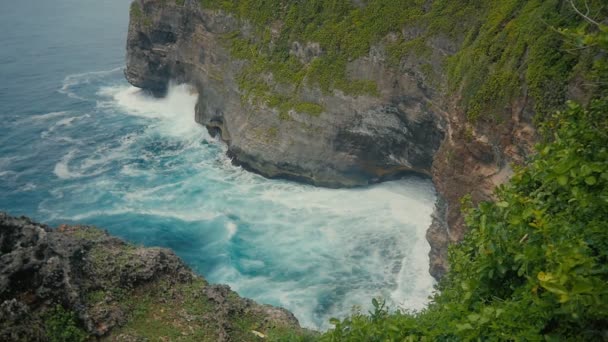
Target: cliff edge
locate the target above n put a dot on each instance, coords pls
(77, 282)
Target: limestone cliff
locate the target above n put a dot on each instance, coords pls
(413, 121)
(75, 282)
(354, 141)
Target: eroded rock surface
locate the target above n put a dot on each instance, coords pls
(117, 291)
(356, 140)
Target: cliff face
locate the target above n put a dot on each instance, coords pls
(353, 141)
(412, 123)
(77, 281)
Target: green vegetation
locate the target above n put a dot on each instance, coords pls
(508, 48)
(533, 265)
(165, 310)
(137, 14)
(95, 297)
(168, 311)
(61, 326)
(88, 233)
(515, 48)
(135, 10)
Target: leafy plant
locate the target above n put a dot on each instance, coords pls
(61, 326)
(533, 264)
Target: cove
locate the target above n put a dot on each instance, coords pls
(79, 145)
(141, 168)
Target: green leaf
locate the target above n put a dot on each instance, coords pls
(582, 285)
(394, 328)
(465, 326)
(502, 204)
(591, 180)
(554, 288)
(562, 180)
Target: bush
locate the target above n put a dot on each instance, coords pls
(61, 326)
(533, 264)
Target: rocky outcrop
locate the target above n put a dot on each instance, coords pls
(115, 291)
(356, 140)
(411, 125)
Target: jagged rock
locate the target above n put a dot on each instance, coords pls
(103, 280)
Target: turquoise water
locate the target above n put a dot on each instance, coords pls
(78, 144)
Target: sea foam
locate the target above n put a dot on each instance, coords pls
(153, 176)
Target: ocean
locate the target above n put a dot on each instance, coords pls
(78, 144)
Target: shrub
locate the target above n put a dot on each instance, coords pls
(60, 325)
(533, 264)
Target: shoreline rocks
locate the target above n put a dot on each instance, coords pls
(87, 282)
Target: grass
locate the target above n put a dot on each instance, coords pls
(88, 233)
(135, 10)
(165, 311)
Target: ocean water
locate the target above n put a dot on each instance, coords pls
(80, 145)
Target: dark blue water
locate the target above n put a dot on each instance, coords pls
(78, 144)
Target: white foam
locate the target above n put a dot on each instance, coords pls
(82, 79)
(318, 252)
(7, 173)
(232, 228)
(62, 168)
(28, 187)
(175, 111)
(47, 116)
(61, 124)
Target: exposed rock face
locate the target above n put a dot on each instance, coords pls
(355, 141)
(411, 126)
(105, 281)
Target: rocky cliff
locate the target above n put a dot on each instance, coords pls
(354, 140)
(412, 118)
(77, 282)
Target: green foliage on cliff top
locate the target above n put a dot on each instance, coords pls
(534, 265)
(135, 10)
(504, 49)
(515, 50)
(61, 325)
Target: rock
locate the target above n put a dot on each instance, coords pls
(17, 323)
(102, 280)
(412, 125)
(438, 237)
(356, 140)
